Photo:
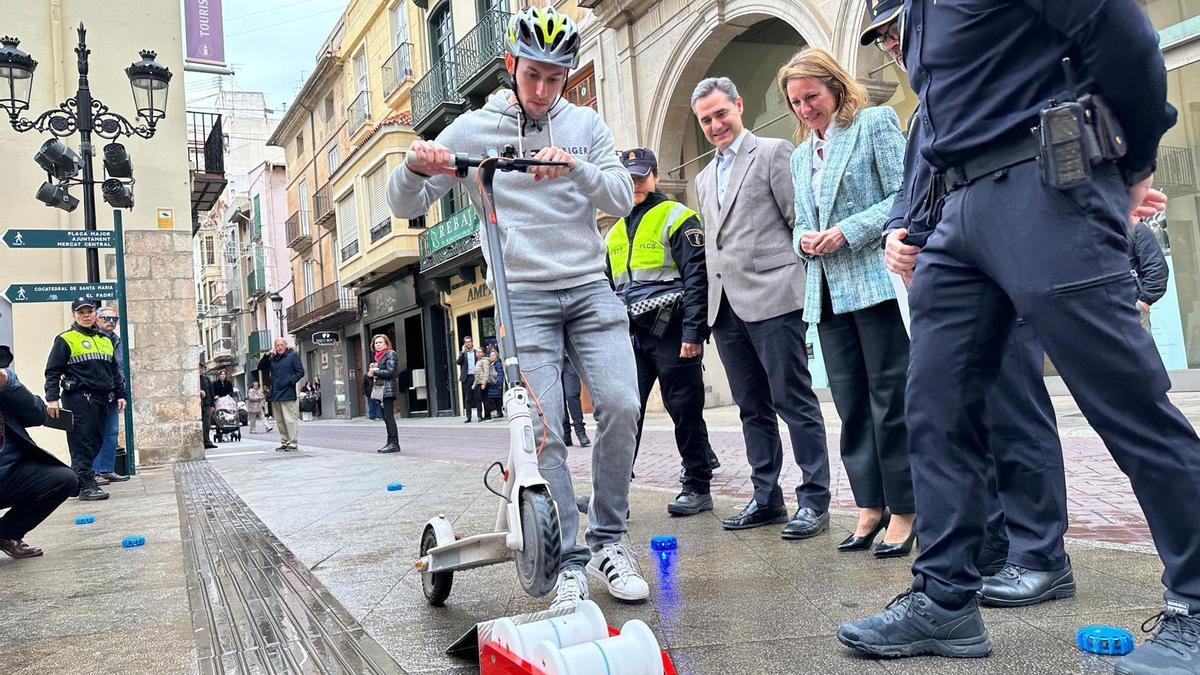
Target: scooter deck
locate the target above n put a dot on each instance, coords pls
(479, 550)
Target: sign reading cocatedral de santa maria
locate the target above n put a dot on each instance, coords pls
(60, 239)
(325, 338)
(60, 292)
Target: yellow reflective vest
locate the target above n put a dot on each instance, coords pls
(649, 258)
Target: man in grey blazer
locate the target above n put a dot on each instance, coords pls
(755, 299)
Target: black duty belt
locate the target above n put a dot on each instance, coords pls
(995, 158)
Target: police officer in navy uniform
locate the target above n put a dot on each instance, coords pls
(82, 376)
(656, 260)
(1023, 229)
(1022, 550)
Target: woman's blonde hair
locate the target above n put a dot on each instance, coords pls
(820, 65)
(386, 340)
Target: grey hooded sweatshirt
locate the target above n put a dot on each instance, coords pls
(547, 228)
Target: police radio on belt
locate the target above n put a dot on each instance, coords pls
(1074, 135)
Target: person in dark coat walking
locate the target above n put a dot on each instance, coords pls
(33, 482)
(1150, 267)
(286, 373)
(206, 407)
(382, 374)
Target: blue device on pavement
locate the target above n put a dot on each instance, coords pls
(132, 541)
(392, 487)
(1107, 640)
(85, 520)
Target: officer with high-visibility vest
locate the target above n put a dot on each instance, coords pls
(82, 376)
(656, 261)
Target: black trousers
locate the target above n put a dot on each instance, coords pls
(91, 412)
(681, 382)
(388, 409)
(866, 357)
(1027, 487)
(31, 491)
(206, 422)
(767, 365)
(1008, 245)
(471, 401)
(573, 397)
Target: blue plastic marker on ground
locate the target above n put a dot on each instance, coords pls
(85, 520)
(392, 487)
(132, 541)
(666, 542)
(1107, 640)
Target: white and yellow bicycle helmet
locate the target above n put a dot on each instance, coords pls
(543, 34)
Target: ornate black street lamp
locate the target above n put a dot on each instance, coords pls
(150, 82)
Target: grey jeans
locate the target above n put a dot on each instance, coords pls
(590, 325)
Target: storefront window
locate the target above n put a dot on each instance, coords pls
(1175, 320)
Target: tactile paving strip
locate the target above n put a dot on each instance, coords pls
(255, 606)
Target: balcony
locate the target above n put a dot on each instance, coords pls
(449, 243)
(329, 307)
(381, 229)
(206, 161)
(259, 342)
(299, 231)
(480, 57)
(359, 112)
(1176, 174)
(256, 283)
(435, 99)
(397, 68)
(221, 351)
(323, 208)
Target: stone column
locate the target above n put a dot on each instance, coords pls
(164, 346)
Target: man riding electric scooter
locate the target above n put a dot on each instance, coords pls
(554, 259)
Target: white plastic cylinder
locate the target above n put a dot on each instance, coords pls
(584, 625)
(634, 652)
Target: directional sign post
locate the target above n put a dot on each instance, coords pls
(60, 238)
(60, 292)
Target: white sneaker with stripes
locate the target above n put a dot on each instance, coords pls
(613, 564)
(572, 588)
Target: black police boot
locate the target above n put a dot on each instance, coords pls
(1175, 648)
(584, 441)
(391, 447)
(90, 492)
(1017, 586)
(690, 503)
(806, 523)
(914, 625)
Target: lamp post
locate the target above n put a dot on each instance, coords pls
(277, 300)
(150, 82)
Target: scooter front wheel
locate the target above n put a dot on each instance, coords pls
(436, 585)
(538, 562)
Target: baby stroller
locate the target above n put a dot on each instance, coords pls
(227, 426)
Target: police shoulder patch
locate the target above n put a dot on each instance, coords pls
(695, 237)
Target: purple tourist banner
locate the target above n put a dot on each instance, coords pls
(205, 33)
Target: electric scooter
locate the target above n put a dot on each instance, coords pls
(527, 525)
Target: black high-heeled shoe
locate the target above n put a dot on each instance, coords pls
(857, 543)
(886, 550)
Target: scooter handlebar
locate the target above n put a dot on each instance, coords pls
(463, 161)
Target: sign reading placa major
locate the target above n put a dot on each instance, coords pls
(60, 239)
(325, 338)
(60, 292)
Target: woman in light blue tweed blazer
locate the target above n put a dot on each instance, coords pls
(847, 171)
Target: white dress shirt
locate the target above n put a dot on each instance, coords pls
(820, 148)
(725, 165)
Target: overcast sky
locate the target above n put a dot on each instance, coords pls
(271, 45)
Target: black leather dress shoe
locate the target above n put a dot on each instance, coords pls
(857, 543)
(1016, 586)
(689, 504)
(886, 550)
(806, 523)
(755, 515)
(389, 448)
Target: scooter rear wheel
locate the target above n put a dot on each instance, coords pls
(538, 562)
(436, 585)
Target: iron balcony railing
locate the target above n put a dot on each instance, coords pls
(323, 207)
(206, 143)
(483, 45)
(436, 87)
(323, 304)
(256, 284)
(1176, 172)
(298, 229)
(360, 110)
(259, 342)
(450, 238)
(397, 68)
